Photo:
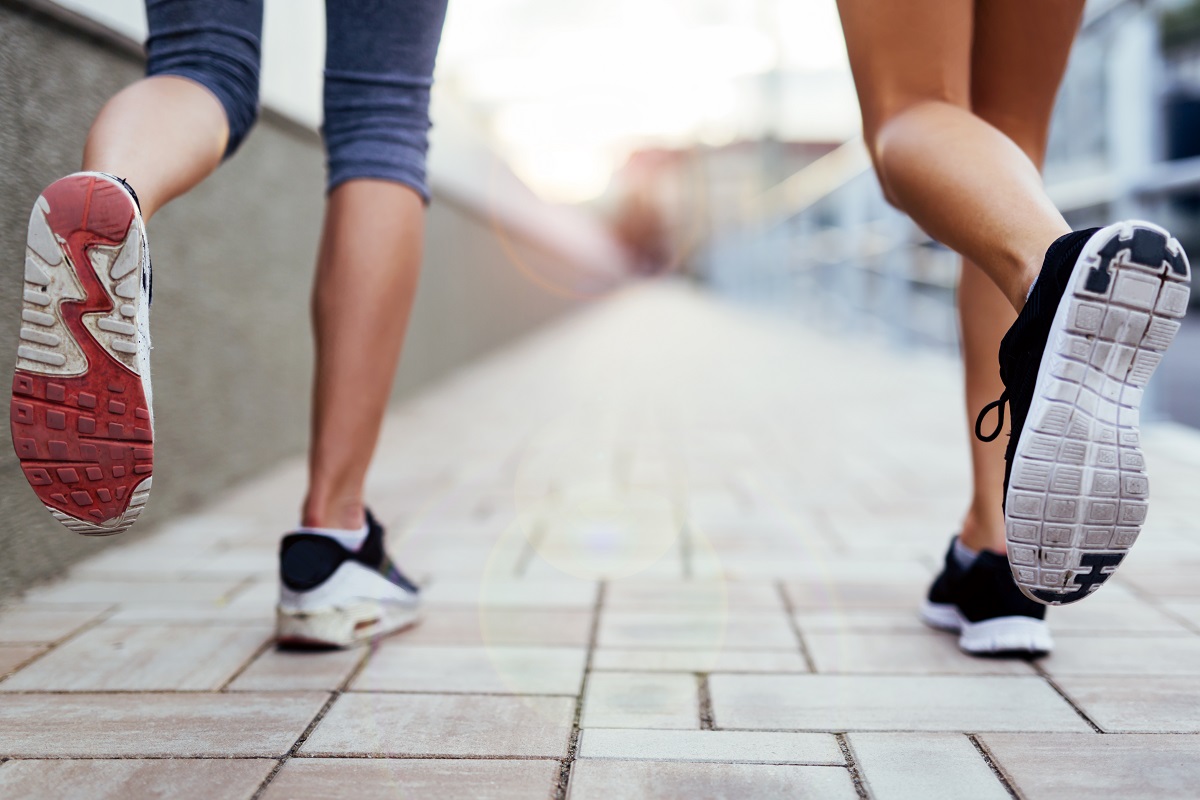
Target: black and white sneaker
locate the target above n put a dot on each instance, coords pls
(985, 608)
(1104, 309)
(331, 596)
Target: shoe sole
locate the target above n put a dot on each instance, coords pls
(81, 419)
(1016, 636)
(1078, 493)
(341, 627)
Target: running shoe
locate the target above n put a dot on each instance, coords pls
(983, 605)
(82, 420)
(1101, 314)
(331, 596)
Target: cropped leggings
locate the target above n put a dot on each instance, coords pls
(379, 61)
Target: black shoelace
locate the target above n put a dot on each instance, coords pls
(999, 406)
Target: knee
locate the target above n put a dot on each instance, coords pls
(377, 126)
(225, 63)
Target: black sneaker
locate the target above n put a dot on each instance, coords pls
(333, 597)
(1105, 308)
(985, 608)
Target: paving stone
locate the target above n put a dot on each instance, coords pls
(1187, 610)
(511, 593)
(854, 620)
(1124, 615)
(501, 669)
(1127, 655)
(443, 725)
(1128, 766)
(658, 780)
(924, 766)
(747, 747)
(925, 653)
(142, 658)
(733, 630)
(840, 594)
(13, 656)
(436, 779)
(163, 725)
(502, 626)
(144, 592)
(638, 594)
(288, 670)
(43, 624)
(705, 660)
(641, 700)
(1153, 704)
(885, 703)
(134, 779)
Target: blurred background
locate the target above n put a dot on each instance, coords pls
(577, 146)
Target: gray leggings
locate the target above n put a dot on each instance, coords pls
(378, 72)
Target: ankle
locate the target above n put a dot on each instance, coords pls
(343, 514)
(978, 534)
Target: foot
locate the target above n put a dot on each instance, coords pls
(82, 421)
(982, 604)
(1103, 311)
(331, 596)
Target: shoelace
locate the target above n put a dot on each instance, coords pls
(999, 406)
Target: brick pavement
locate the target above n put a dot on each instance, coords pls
(671, 549)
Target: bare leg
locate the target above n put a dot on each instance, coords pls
(163, 135)
(958, 176)
(367, 272)
(1015, 76)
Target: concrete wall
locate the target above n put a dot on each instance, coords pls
(233, 261)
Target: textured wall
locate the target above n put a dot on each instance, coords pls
(233, 262)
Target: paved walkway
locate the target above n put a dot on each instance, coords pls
(672, 549)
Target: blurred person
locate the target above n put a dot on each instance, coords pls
(82, 418)
(956, 101)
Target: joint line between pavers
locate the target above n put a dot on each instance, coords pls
(993, 765)
(258, 653)
(795, 626)
(564, 773)
(860, 785)
(707, 721)
(1066, 697)
(685, 551)
(530, 549)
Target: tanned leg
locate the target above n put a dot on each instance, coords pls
(366, 279)
(1016, 69)
(960, 177)
(163, 135)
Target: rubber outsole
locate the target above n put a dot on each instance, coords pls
(1078, 493)
(341, 627)
(1015, 636)
(81, 419)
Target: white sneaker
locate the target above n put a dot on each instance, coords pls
(331, 596)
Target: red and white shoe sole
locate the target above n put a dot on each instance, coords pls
(82, 424)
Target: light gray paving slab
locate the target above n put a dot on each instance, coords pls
(391, 779)
(500, 669)
(765, 630)
(510, 593)
(1128, 766)
(134, 779)
(659, 780)
(374, 724)
(924, 766)
(1152, 704)
(748, 747)
(181, 725)
(1127, 655)
(142, 592)
(1111, 614)
(142, 658)
(639, 594)
(848, 593)
(889, 703)
(641, 700)
(701, 660)
(43, 624)
(903, 620)
(488, 626)
(918, 653)
(290, 670)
